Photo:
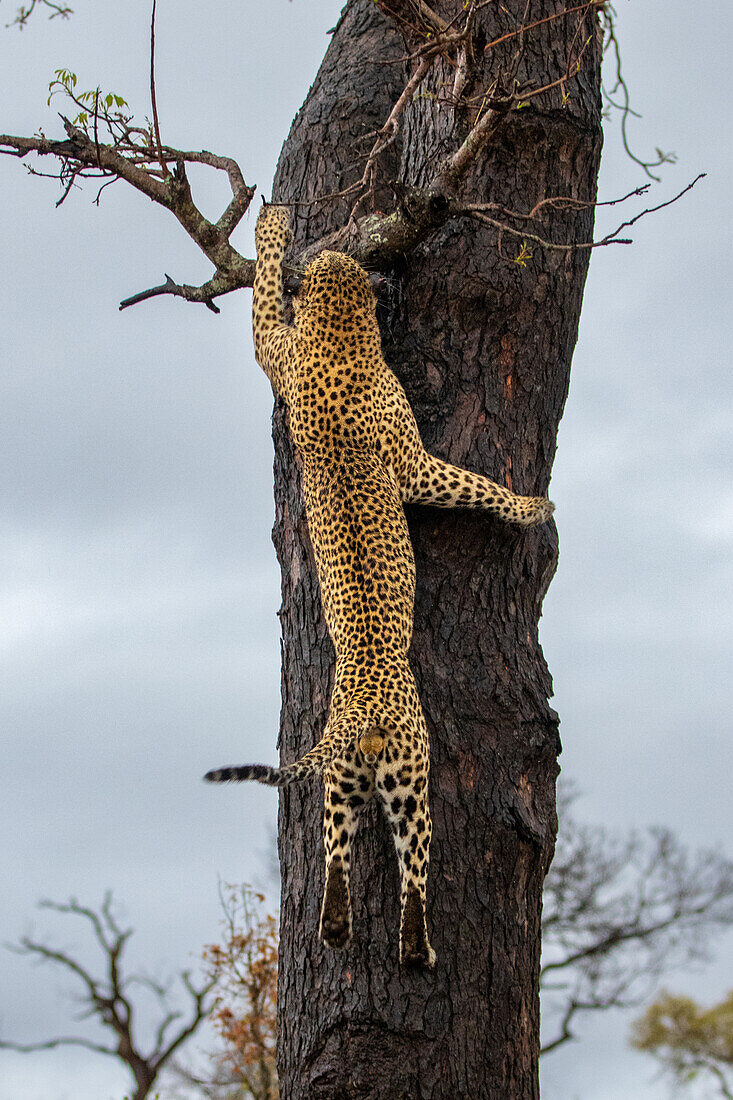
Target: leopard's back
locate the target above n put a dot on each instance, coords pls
(363, 551)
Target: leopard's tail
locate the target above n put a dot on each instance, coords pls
(342, 731)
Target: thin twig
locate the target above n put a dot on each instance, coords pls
(24, 13)
(388, 133)
(478, 211)
(597, 4)
(153, 99)
(50, 1044)
(661, 206)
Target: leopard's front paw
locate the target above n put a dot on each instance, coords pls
(273, 225)
(534, 510)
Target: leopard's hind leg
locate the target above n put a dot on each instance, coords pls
(349, 784)
(403, 788)
(433, 481)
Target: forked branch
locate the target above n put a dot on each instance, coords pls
(130, 158)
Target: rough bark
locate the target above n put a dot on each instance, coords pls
(483, 348)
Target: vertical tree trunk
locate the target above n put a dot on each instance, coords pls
(483, 348)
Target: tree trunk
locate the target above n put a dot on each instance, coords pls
(483, 348)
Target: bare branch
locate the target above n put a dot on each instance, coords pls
(80, 152)
(27, 946)
(565, 1034)
(453, 170)
(388, 133)
(71, 1041)
(215, 287)
(590, 4)
(478, 211)
(162, 1028)
(660, 206)
(242, 194)
(432, 17)
(616, 937)
(404, 12)
(73, 906)
(200, 1009)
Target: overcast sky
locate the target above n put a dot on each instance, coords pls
(139, 585)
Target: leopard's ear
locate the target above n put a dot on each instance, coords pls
(264, 201)
(293, 283)
(378, 281)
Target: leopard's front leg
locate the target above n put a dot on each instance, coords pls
(430, 480)
(275, 342)
(424, 479)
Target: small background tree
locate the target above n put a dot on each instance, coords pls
(694, 1045)
(244, 968)
(618, 913)
(108, 999)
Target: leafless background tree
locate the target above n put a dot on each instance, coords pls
(619, 913)
(107, 998)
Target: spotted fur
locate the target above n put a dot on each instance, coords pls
(362, 459)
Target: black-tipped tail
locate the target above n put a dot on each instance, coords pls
(260, 772)
(342, 730)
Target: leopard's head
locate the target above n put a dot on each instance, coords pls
(337, 288)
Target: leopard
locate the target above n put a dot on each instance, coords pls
(362, 459)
